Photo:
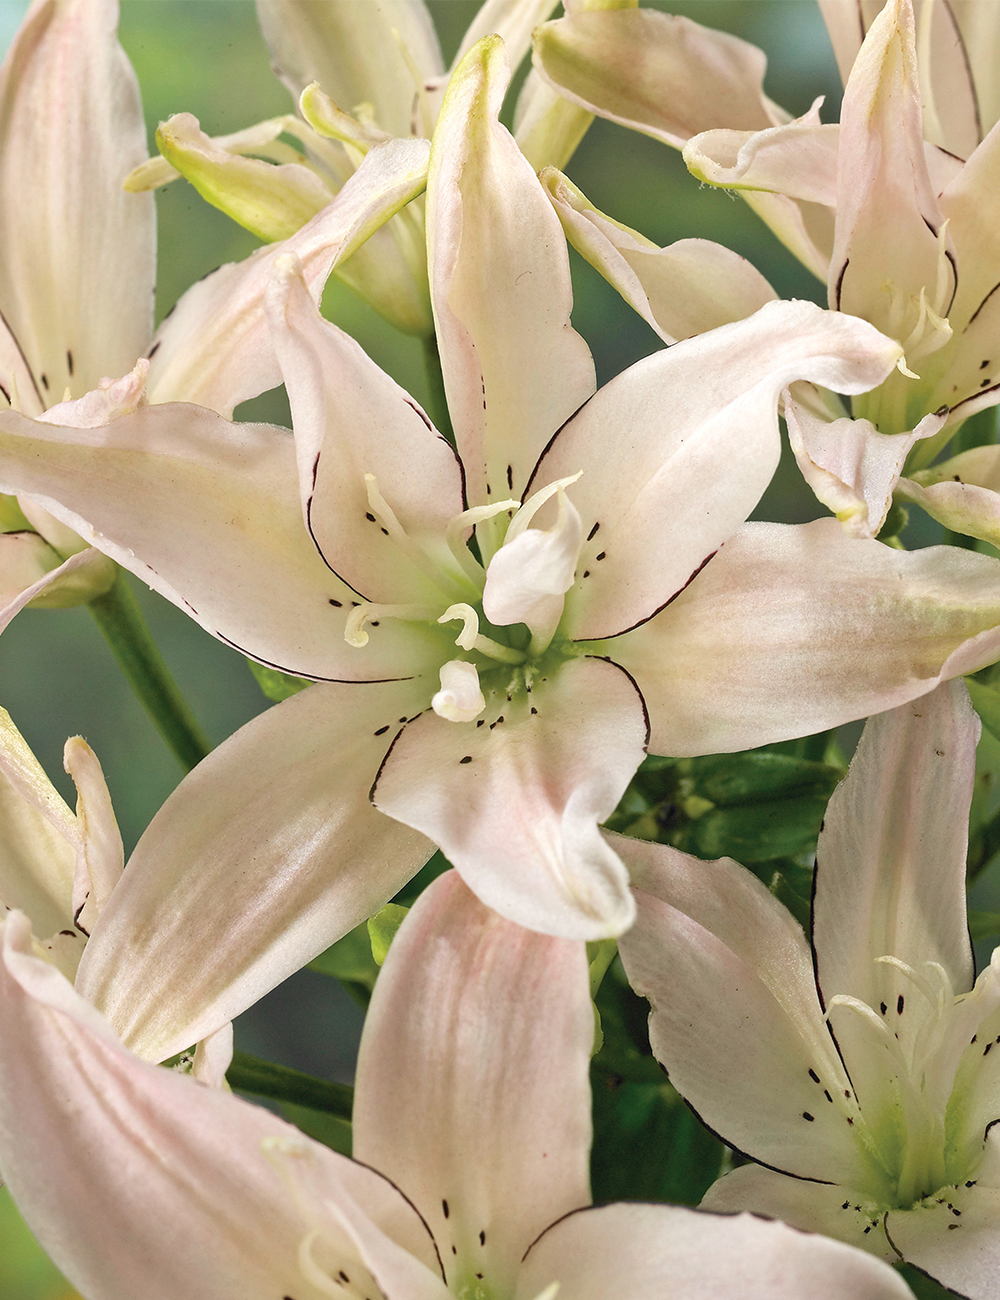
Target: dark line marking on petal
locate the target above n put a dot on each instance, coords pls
(69, 362)
(382, 730)
(899, 1005)
(840, 282)
(810, 1118)
(153, 350)
(466, 759)
(813, 1075)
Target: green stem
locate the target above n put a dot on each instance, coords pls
(120, 619)
(438, 402)
(281, 1083)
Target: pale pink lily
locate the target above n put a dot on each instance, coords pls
(867, 1088)
(360, 76)
(471, 1123)
(77, 266)
(498, 703)
(901, 230)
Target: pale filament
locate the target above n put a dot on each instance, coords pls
(470, 637)
(367, 612)
(444, 581)
(468, 519)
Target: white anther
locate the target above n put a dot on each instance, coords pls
(460, 698)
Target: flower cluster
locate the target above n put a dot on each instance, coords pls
(537, 682)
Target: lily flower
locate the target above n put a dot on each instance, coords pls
(495, 698)
(68, 96)
(901, 230)
(360, 75)
(867, 1083)
(471, 1125)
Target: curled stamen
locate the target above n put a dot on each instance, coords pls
(932, 995)
(460, 698)
(470, 638)
(468, 519)
(366, 612)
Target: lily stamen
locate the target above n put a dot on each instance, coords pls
(470, 638)
(367, 612)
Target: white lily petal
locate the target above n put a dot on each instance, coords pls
(265, 854)
(888, 218)
(38, 837)
(514, 800)
(657, 73)
(959, 1251)
(646, 1252)
(512, 20)
(360, 54)
(688, 287)
(74, 582)
(213, 1056)
(727, 970)
(514, 368)
(852, 468)
(175, 483)
(796, 628)
(190, 1202)
(357, 432)
(797, 159)
(271, 201)
(214, 349)
(71, 129)
(696, 432)
(844, 1213)
(100, 856)
(460, 698)
(891, 855)
(472, 1089)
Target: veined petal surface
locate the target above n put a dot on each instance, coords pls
(514, 799)
(472, 1089)
(207, 513)
(792, 629)
(268, 852)
(695, 431)
(71, 129)
(514, 368)
(141, 1182)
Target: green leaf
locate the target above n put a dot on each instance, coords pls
(983, 925)
(759, 775)
(281, 1083)
(648, 1146)
(924, 1288)
(275, 685)
(751, 833)
(986, 701)
(382, 929)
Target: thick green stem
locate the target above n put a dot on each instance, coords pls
(281, 1083)
(438, 401)
(120, 619)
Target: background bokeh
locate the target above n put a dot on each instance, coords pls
(57, 677)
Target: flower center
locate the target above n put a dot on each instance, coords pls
(904, 1063)
(509, 620)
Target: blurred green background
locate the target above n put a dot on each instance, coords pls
(57, 677)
